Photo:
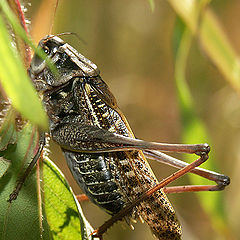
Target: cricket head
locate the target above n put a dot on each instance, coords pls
(67, 61)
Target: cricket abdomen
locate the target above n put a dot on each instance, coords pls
(93, 173)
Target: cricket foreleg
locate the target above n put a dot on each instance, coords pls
(14, 194)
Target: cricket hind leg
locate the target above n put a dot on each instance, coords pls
(92, 139)
(14, 194)
(221, 180)
(126, 210)
(192, 188)
(202, 150)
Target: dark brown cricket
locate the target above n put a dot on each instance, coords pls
(82, 112)
(105, 159)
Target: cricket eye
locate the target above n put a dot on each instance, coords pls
(46, 50)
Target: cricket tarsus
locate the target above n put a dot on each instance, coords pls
(13, 196)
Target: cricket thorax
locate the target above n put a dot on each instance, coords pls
(80, 100)
(68, 62)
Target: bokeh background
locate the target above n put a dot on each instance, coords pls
(132, 46)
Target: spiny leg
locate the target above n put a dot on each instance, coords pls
(138, 144)
(192, 188)
(92, 139)
(14, 194)
(220, 179)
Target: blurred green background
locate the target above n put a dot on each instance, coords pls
(132, 46)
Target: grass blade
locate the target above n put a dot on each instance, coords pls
(204, 25)
(16, 83)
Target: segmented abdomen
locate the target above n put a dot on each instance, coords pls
(109, 180)
(93, 172)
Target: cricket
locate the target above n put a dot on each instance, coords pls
(106, 160)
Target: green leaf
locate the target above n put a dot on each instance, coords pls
(8, 136)
(13, 75)
(16, 83)
(204, 24)
(53, 213)
(7, 130)
(4, 166)
(21, 219)
(46, 207)
(63, 212)
(21, 32)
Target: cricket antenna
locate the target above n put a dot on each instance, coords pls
(53, 17)
(68, 33)
(64, 33)
(73, 33)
